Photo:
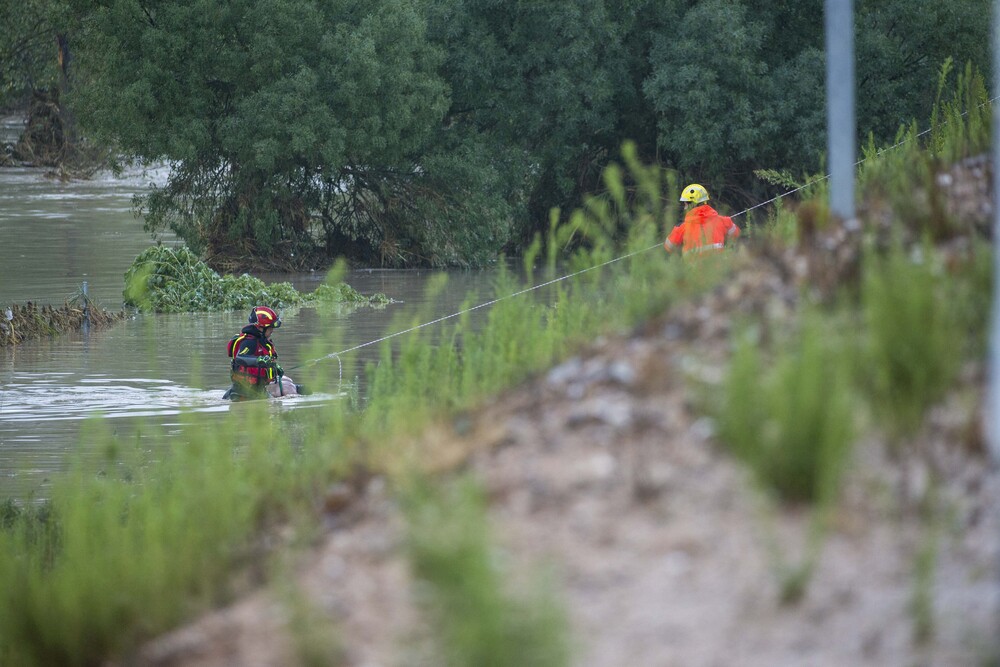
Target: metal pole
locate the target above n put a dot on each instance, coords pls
(992, 411)
(841, 131)
(86, 308)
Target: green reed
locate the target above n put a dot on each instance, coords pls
(475, 616)
(150, 538)
(128, 550)
(960, 126)
(789, 414)
(903, 180)
(914, 337)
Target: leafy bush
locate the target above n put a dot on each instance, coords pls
(174, 280)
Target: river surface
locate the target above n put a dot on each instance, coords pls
(155, 368)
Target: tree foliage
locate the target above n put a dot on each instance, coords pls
(442, 131)
(552, 79)
(715, 89)
(288, 123)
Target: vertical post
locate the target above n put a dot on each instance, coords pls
(841, 133)
(992, 409)
(86, 308)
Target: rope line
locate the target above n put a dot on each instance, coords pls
(857, 163)
(610, 261)
(477, 307)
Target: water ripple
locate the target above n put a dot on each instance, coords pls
(48, 398)
(52, 399)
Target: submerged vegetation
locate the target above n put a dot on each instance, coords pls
(162, 279)
(127, 551)
(19, 323)
(173, 280)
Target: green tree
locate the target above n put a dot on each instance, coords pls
(442, 131)
(901, 45)
(287, 123)
(549, 78)
(28, 49)
(709, 86)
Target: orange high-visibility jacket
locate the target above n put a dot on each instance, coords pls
(703, 229)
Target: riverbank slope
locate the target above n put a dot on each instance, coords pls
(605, 473)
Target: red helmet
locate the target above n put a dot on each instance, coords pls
(263, 316)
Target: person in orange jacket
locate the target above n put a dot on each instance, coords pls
(703, 228)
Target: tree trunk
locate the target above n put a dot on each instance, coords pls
(67, 117)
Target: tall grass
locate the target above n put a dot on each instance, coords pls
(133, 549)
(914, 337)
(475, 617)
(960, 126)
(789, 415)
(416, 378)
(788, 412)
(95, 578)
(904, 175)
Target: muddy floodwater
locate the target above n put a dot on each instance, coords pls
(152, 368)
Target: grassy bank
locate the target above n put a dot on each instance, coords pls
(156, 536)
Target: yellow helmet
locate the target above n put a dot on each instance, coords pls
(694, 193)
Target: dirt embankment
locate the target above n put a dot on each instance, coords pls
(664, 552)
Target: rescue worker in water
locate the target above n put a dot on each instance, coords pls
(255, 369)
(703, 229)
